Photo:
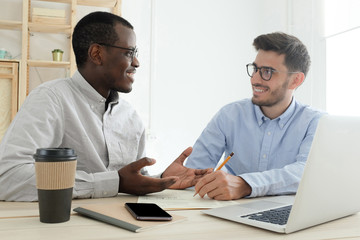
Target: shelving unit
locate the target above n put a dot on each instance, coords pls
(9, 80)
(11, 25)
(26, 26)
(49, 64)
(49, 28)
(14, 74)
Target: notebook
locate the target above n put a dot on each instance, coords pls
(329, 188)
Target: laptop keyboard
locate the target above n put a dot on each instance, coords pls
(276, 216)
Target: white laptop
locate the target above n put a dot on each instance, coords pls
(329, 188)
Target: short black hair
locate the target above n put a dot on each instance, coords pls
(96, 27)
(296, 55)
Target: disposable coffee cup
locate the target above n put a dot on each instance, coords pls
(55, 177)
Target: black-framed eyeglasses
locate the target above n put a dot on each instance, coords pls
(265, 72)
(132, 52)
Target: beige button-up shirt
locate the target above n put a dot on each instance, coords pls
(70, 113)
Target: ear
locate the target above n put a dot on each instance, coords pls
(95, 54)
(296, 80)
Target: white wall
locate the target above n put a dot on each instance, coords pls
(193, 55)
(307, 23)
(199, 52)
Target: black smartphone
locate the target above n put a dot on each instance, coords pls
(147, 211)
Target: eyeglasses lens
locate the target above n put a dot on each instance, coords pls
(251, 69)
(266, 73)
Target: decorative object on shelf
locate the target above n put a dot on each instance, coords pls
(2, 53)
(57, 55)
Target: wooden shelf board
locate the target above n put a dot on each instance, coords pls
(6, 75)
(58, 1)
(94, 3)
(12, 25)
(9, 60)
(49, 28)
(48, 64)
(97, 3)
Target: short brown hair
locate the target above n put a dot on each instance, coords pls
(296, 55)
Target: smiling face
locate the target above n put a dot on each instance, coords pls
(276, 94)
(118, 66)
(111, 66)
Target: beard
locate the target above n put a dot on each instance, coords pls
(275, 97)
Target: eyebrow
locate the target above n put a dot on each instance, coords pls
(264, 66)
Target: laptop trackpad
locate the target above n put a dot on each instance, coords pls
(273, 202)
(261, 205)
(234, 211)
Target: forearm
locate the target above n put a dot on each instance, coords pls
(276, 181)
(208, 148)
(96, 185)
(18, 187)
(22, 187)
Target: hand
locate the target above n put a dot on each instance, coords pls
(133, 182)
(187, 177)
(222, 186)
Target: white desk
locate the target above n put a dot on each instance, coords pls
(21, 221)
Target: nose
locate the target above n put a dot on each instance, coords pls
(135, 62)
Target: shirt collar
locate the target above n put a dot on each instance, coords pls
(282, 119)
(93, 97)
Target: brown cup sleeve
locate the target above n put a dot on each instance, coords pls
(55, 175)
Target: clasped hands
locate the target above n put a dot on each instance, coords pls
(217, 185)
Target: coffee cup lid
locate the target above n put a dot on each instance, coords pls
(55, 153)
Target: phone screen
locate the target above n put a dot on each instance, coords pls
(147, 211)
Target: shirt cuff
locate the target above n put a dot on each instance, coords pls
(106, 184)
(157, 175)
(253, 182)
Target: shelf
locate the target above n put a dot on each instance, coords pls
(97, 3)
(48, 64)
(12, 25)
(57, 1)
(94, 3)
(9, 60)
(49, 28)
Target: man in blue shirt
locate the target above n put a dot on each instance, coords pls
(270, 134)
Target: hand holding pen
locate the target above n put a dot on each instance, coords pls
(219, 168)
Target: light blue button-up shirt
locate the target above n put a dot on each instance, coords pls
(269, 154)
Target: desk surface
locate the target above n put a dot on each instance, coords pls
(21, 221)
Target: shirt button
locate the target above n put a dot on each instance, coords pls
(269, 133)
(264, 156)
(92, 106)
